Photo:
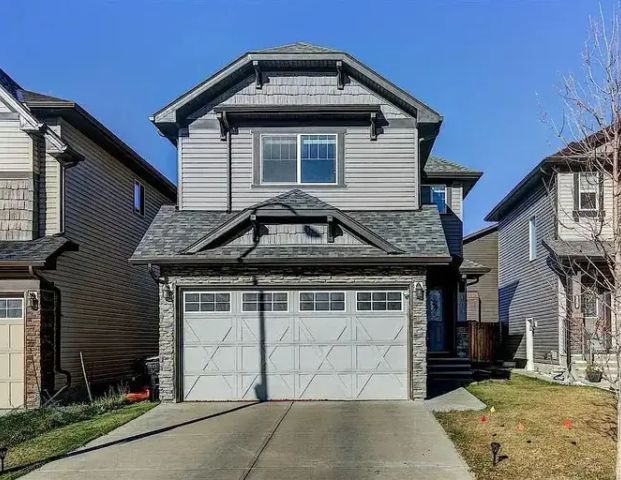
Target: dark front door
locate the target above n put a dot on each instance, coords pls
(436, 334)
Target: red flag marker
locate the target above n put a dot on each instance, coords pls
(483, 419)
(566, 424)
(520, 427)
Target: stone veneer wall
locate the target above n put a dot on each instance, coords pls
(17, 209)
(305, 276)
(39, 347)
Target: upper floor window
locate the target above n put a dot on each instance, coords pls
(532, 238)
(138, 198)
(434, 194)
(588, 191)
(299, 158)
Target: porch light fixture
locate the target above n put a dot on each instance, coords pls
(495, 446)
(3, 452)
(420, 292)
(168, 293)
(33, 301)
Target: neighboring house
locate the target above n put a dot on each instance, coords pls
(481, 248)
(552, 315)
(74, 203)
(300, 257)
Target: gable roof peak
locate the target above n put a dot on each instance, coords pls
(294, 199)
(298, 47)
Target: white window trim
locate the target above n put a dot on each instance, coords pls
(437, 185)
(21, 300)
(322, 311)
(299, 158)
(241, 301)
(402, 301)
(532, 238)
(580, 191)
(143, 198)
(219, 312)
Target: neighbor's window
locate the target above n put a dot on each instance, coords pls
(265, 301)
(532, 238)
(322, 301)
(434, 195)
(11, 308)
(138, 198)
(300, 159)
(379, 301)
(207, 302)
(588, 191)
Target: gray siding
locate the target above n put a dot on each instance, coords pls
(109, 309)
(16, 148)
(454, 232)
(527, 289)
(379, 174)
(484, 251)
(49, 190)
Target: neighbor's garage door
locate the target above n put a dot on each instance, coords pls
(316, 344)
(11, 352)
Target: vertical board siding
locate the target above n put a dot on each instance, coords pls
(584, 229)
(378, 174)
(527, 289)
(484, 251)
(109, 308)
(297, 88)
(16, 148)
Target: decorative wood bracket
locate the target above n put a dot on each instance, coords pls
(224, 124)
(330, 229)
(373, 130)
(340, 76)
(258, 80)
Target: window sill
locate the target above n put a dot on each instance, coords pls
(271, 186)
(578, 214)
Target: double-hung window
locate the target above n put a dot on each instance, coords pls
(299, 158)
(588, 191)
(434, 195)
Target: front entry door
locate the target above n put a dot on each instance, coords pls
(435, 321)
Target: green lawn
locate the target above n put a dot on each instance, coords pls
(544, 448)
(37, 436)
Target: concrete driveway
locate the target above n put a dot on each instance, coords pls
(284, 440)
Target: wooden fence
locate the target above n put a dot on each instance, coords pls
(483, 341)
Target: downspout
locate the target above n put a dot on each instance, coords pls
(229, 172)
(57, 334)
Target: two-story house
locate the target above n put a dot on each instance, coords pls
(554, 303)
(312, 231)
(74, 203)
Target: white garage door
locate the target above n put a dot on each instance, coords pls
(11, 352)
(316, 344)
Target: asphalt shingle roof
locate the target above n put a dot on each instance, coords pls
(440, 165)
(469, 266)
(564, 248)
(33, 252)
(418, 233)
(299, 47)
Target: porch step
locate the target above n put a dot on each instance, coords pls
(443, 369)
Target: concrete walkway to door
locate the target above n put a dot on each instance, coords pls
(282, 440)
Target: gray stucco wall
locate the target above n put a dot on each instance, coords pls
(527, 288)
(248, 276)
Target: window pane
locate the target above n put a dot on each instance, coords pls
(306, 297)
(279, 158)
(250, 297)
(191, 297)
(280, 307)
(208, 297)
(379, 296)
(394, 305)
(379, 305)
(588, 201)
(322, 296)
(364, 305)
(340, 306)
(207, 307)
(222, 297)
(364, 296)
(250, 307)
(394, 296)
(318, 157)
(222, 307)
(322, 306)
(191, 307)
(337, 297)
(138, 198)
(307, 306)
(434, 195)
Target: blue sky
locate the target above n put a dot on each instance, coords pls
(491, 68)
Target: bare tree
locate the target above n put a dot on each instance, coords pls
(587, 252)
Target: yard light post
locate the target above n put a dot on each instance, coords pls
(3, 452)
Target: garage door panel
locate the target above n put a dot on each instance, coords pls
(276, 329)
(200, 330)
(380, 327)
(12, 355)
(340, 354)
(277, 386)
(320, 328)
(199, 359)
(213, 387)
(278, 357)
(325, 358)
(381, 357)
(380, 386)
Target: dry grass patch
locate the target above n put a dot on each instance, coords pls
(528, 422)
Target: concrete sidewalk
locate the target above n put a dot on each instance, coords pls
(281, 440)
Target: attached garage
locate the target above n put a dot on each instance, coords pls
(338, 344)
(11, 352)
